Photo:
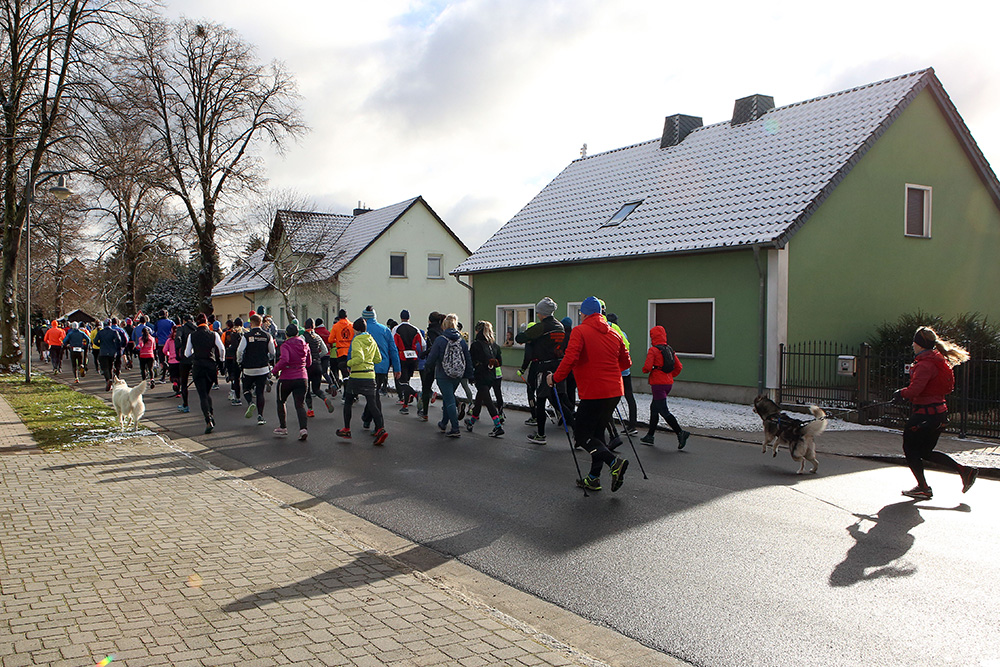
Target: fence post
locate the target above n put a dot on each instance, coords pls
(863, 381)
(964, 421)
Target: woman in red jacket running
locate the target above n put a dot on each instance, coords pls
(931, 379)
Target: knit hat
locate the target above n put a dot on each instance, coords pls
(368, 313)
(309, 323)
(404, 314)
(612, 318)
(238, 322)
(342, 314)
(360, 325)
(292, 330)
(260, 310)
(545, 307)
(925, 338)
(107, 322)
(567, 322)
(590, 306)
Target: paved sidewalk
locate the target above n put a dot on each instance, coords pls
(141, 551)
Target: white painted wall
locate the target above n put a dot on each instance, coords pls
(777, 310)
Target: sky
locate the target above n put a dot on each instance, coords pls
(477, 104)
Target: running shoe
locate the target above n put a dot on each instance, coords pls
(328, 402)
(919, 493)
(469, 424)
(496, 432)
(646, 439)
(250, 410)
(618, 469)
(310, 413)
(682, 439)
(454, 434)
(423, 417)
(260, 420)
(183, 408)
(281, 431)
(536, 439)
(76, 381)
(380, 436)
(461, 409)
(344, 433)
(589, 483)
(969, 476)
(404, 410)
(531, 421)
(366, 425)
(303, 434)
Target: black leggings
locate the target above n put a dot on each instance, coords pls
(355, 387)
(107, 365)
(183, 383)
(658, 408)
(146, 366)
(920, 437)
(297, 389)
(592, 417)
(253, 391)
(204, 377)
(630, 401)
(483, 397)
(77, 359)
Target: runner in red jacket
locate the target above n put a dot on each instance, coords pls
(596, 356)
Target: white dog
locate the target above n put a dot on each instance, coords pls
(128, 402)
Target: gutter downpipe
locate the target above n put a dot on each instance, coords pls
(472, 298)
(762, 321)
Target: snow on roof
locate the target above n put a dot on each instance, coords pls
(722, 186)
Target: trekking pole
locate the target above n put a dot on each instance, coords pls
(572, 449)
(627, 435)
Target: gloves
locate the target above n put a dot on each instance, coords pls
(520, 374)
(897, 397)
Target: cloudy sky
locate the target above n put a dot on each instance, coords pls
(477, 104)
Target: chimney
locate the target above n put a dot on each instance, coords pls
(751, 108)
(676, 127)
(361, 210)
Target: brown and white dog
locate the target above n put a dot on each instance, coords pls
(782, 429)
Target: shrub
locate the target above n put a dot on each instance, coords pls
(972, 331)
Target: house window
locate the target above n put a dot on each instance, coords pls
(510, 319)
(918, 211)
(690, 325)
(622, 213)
(324, 309)
(397, 265)
(434, 264)
(573, 311)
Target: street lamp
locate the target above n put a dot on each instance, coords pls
(61, 192)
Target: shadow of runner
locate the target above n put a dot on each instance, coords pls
(368, 568)
(875, 551)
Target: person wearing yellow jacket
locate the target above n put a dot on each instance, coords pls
(362, 358)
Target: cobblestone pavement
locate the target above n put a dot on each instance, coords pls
(140, 551)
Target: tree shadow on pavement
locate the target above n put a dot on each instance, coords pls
(876, 551)
(368, 568)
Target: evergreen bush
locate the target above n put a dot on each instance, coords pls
(972, 331)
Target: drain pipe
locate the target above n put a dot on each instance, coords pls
(472, 297)
(762, 321)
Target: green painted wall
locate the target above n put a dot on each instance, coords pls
(851, 267)
(627, 286)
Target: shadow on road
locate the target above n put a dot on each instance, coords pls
(875, 552)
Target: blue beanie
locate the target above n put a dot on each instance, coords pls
(368, 313)
(567, 321)
(590, 306)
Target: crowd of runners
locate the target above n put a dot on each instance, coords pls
(574, 380)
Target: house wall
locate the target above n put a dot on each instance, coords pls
(231, 305)
(627, 287)
(417, 233)
(850, 266)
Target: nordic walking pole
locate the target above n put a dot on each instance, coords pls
(572, 449)
(638, 460)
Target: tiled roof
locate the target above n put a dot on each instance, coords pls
(336, 239)
(722, 186)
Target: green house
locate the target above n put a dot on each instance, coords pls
(813, 221)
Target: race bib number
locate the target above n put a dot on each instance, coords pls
(409, 354)
(77, 349)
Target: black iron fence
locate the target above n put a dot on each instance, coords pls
(859, 380)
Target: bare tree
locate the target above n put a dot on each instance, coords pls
(50, 52)
(213, 103)
(58, 237)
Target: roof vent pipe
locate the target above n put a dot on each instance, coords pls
(751, 108)
(676, 127)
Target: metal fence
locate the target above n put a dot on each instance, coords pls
(839, 376)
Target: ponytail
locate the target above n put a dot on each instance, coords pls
(953, 353)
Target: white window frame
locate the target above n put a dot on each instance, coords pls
(501, 322)
(573, 311)
(397, 254)
(440, 258)
(927, 190)
(651, 322)
(622, 214)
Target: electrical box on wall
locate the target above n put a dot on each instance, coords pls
(846, 365)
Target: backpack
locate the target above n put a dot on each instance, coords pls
(453, 361)
(668, 358)
(233, 339)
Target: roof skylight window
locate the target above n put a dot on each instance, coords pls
(622, 213)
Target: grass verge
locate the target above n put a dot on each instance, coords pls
(58, 417)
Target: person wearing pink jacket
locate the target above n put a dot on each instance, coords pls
(292, 373)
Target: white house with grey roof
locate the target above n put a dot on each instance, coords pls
(816, 220)
(393, 258)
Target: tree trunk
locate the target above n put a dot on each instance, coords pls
(209, 254)
(10, 351)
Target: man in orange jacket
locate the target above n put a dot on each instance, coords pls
(54, 339)
(341, 335)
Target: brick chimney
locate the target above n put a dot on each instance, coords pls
(676, 127)
(751, 108)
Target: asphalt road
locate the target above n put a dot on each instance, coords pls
(722, 557)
